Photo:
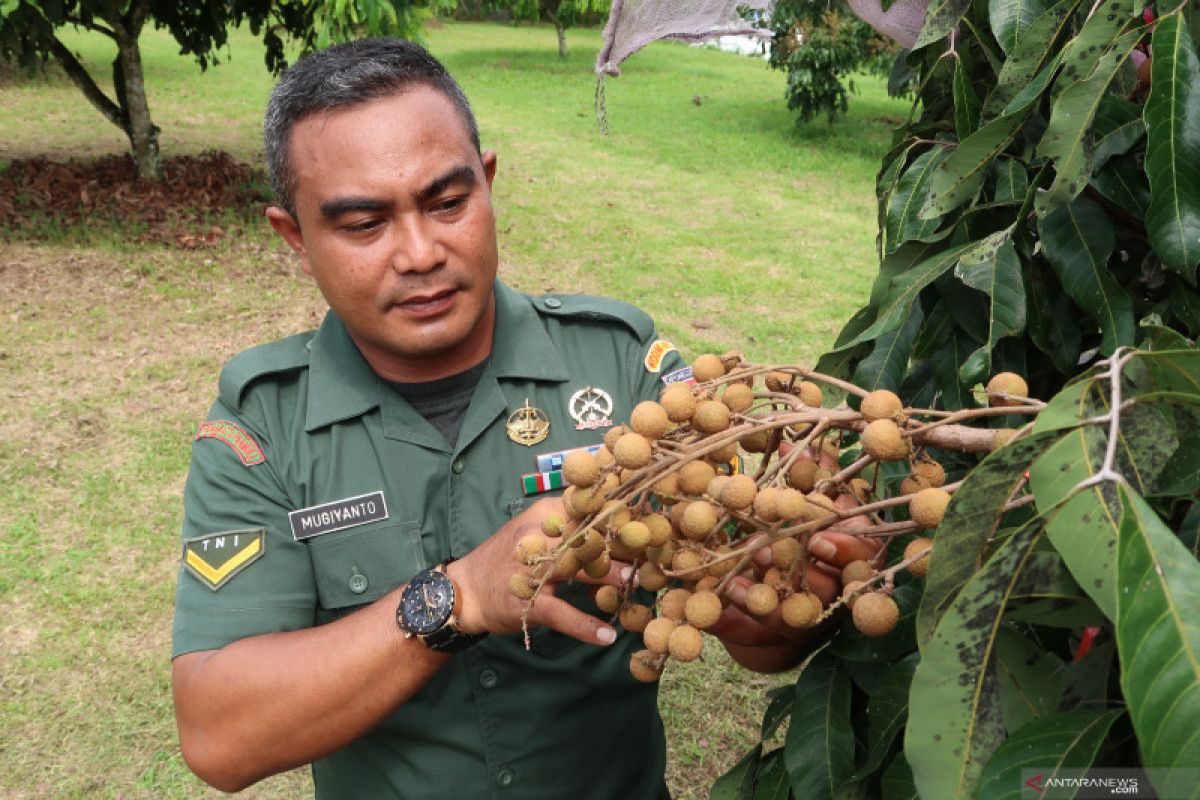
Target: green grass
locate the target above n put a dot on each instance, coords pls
(731, 226)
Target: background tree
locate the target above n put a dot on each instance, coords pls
(562, 14)
(29, 36)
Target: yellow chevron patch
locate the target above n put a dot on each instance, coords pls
(216, 557)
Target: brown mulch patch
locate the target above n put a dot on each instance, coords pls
(178, 209)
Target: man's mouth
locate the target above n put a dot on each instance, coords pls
(428, 304)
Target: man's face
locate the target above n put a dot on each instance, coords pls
(395, 224)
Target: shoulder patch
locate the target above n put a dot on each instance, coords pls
(591, 307)
(216, 557)
(657, 352)
(284, 355)
(234, 435)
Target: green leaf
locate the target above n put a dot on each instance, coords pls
(772, 781)
(819, 751)
(1078, 240)
(1118, 126)
(1172, 370)
(1010, 19)
(885, 367)
(999, 277)
(738, 783)
(1031, 53)
(1030, 678)
(955, 683)
(959, 176)
(910, 194)
(1180, 476)
(940, 17)
(1160, 337)
(853, 645)
(1068, 138)
(1172, 117)
(1051, 322)
(1066, 740)
(1012, 180)
(1103, 24)
(886, 712)
(966, 102)
(970, 520)
(1085, 682)
(779, 709)
(946, 362)
(1123, 183)
(897, 782)
(1158, 639)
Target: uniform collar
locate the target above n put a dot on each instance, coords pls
(341, 385)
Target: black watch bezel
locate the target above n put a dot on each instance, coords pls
(439, 633)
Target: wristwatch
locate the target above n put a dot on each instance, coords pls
(429, 609)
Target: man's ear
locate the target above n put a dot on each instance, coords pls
(489, 166)
(286, 226)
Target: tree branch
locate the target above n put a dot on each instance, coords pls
(80, 77)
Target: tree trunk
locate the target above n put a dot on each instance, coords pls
(562, 39)
(142, 132)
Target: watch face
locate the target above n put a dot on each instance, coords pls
(427, 602)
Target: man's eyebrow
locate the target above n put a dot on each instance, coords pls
(461, 175)
(332, 209)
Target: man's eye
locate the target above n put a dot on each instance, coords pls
(362, 226)
(450, 204)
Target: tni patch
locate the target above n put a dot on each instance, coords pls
(658, 351)
(235, 436)
(216, 557)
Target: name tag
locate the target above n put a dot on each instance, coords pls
(338, 515)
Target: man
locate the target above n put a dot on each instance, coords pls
(355, 497)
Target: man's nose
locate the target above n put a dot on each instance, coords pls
(418, 245)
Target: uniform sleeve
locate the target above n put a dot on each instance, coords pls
(241, 572)
(658, 363)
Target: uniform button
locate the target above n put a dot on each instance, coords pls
(552, 302)
(505, 778)
(358, 583)
(458, 466)
(488, 679)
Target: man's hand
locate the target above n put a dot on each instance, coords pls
(484, 575)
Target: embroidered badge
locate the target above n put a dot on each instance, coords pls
(236, 437)
(216, 557)
(590, 408)
(538, 482)
(547, 462)
(680, 375)
(658, 351)
(337, 515)
(528, 425)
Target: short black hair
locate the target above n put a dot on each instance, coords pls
(344, 75)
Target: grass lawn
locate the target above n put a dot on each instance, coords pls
(704, 205)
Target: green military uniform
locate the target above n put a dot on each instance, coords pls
(314, 489)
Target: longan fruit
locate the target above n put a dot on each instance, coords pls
(587, 500)
(761, 599)
(720, 569)
(712, 416)
(785, 553)
(779, 381)
(673, 603)
(911, 485)
(708, 583)
(699, 519)
(598, 567)
(790, 505)
(663, 555)
(723, 454)
(611, 481)
(875, 614)
(755, 442)
(849, 589)
(1002, 436)
(1006, 383)
(566, 566)
(635, 617)
(707, 367)
(858, 570)
(819, 505)
(880, 404)
(659, 527)
(685, 643)
(657, 632)
(651, 577)
(604, 457)
(931, 473)
(645, 666)
(920, 567)
(703, 609)
(928, 506)
(882, 440)
(765, 504)
(694, 477)
(810, 394)
(860, 489)
(800, 610)
(686, 561)
(774, 578)
(580, 468)
(632, 451)
(521, 585)
(716, 486)
(676, 514)
(738, 492)
(679, 402)
(616, 514)
(612, 435)
(666, 488)
(649, 419)
(530, 546)
(802, 475)
(737, 397)
(608, 599)
(634, 535)
(552, 526)
(589, 547)
(618, 551)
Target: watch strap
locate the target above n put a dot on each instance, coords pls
(447, 638)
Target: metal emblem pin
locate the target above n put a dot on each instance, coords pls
(590, 408)
(528, 425)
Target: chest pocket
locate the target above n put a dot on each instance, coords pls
(359, 566)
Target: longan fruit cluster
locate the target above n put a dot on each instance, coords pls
(695, 484)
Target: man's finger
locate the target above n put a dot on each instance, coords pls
(566, 619)
(839, 549)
